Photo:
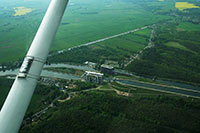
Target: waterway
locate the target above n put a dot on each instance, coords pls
(84, 68)
(184, 91)
(51, 74)
(172, 87)
(182, 85)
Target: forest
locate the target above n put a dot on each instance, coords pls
(105, 111)
(89, 53)
(100, 112)
(5, 86)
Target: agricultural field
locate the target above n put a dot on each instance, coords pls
(19, 11)
(185, 5)
(84, 21)
(144, 33)
(177, 45)
(186, 26)
(130, 42)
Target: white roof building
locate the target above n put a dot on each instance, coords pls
(93, 77)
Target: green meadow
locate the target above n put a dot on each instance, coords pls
(129, 42)
(185, 26)
(178, 46)
(84, 21)
(144, 33)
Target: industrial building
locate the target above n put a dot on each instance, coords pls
(91, 64)
(93, 77)
(107, 69)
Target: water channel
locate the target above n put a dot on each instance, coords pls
(195, 90)
(52, 74)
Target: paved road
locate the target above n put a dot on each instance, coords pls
(101, 40)
(162, 88)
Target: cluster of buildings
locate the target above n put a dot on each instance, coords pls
(91, 64)
(93, 77)
(97, 77)
(107, 69)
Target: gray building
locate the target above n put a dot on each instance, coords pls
(91, 64)
(93, 77)
(107, 69)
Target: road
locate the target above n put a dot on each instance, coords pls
(150, 45)
(101, 40)
(161, 88)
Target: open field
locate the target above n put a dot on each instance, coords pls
(177, 45)
(19, 11)
(185, 5)
(145, 32)
(130, 42)
(83, 22)
(185, 26)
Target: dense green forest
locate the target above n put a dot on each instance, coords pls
(42, 94)
(5, 86)
(107, 112)
(88, 53)
(99, 111)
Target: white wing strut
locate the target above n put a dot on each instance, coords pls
(16, 104)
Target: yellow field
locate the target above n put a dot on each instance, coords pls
(185, 5)
(19, 11)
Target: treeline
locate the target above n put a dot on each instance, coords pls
(43, 94)
(42, 97)
(88, 53)
(98, 112)
(10, 65)
(84, 85)
(5, 85)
